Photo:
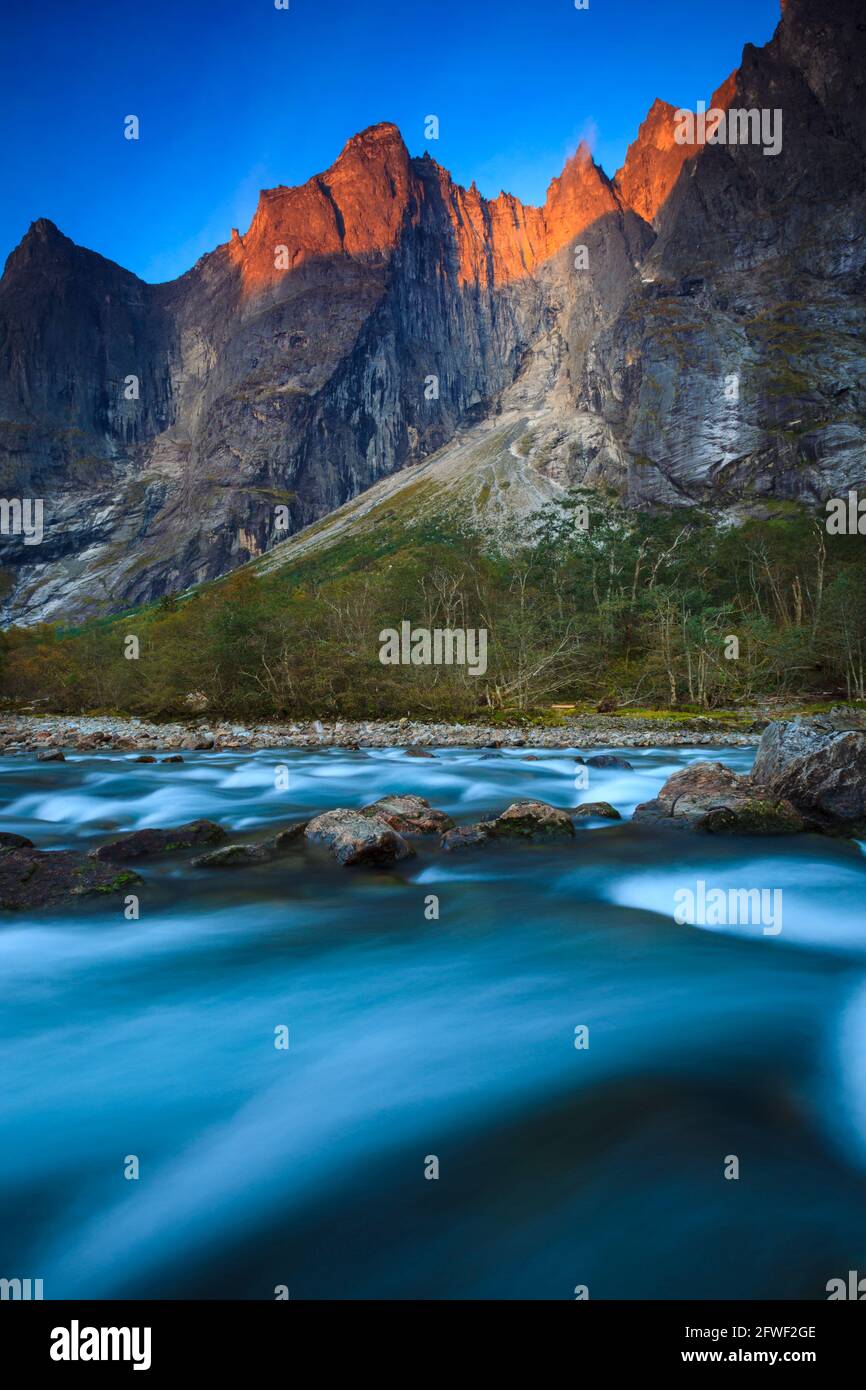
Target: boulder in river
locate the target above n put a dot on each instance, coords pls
(466, 836)
(409, 814)
(50, 755)
(819, 765)
(33, 878)
(356, 837)
(532, 820)
(600, 810)
(710, 798)
(809, 774)
(143, 842)
(416, 752)
(522, 820)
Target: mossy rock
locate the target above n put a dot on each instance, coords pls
(753, 817)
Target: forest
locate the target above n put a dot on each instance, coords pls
(670, 610)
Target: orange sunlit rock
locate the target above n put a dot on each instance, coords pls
(654, 160)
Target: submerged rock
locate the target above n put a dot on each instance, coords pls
(173, 758)
(466, 836)
(600, 809)
(409, 814)
(260, 852)
(32, 878)
(605, 760)
(232, 856)
(709, 797)
(142, 842)
(144, 758)
(51, 755)
(418, 753)
(356, 837)
(286, 837)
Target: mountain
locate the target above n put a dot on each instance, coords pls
(382, 327)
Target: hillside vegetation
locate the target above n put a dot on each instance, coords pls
(639, 609)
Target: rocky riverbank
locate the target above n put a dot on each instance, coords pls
(91, 732)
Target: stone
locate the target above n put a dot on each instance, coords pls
(233, 856)
(173, 758)
(144, 758)
(10, 841)
(709, 797)
(50, 755)
(285, 838)
(601, 810)
(32, 878)
(355, 837)
(532, 820)
(819, 765)
(466, 836)
(529, 821)
(410, 815)
(139, 843)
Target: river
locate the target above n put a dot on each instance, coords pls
(414, 1038)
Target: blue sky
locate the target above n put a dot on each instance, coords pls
(235, 95)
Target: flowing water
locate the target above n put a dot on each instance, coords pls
(412, 1038)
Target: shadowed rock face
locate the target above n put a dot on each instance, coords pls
(287, 368)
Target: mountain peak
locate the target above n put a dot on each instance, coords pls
(383, 134)
(654, 160)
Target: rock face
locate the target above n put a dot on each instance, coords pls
(355, 837)
(709, 797)
(708, 347)
(33, 878)
(146, 842)
(310, 339)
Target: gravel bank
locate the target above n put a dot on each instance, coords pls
(23, 733)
